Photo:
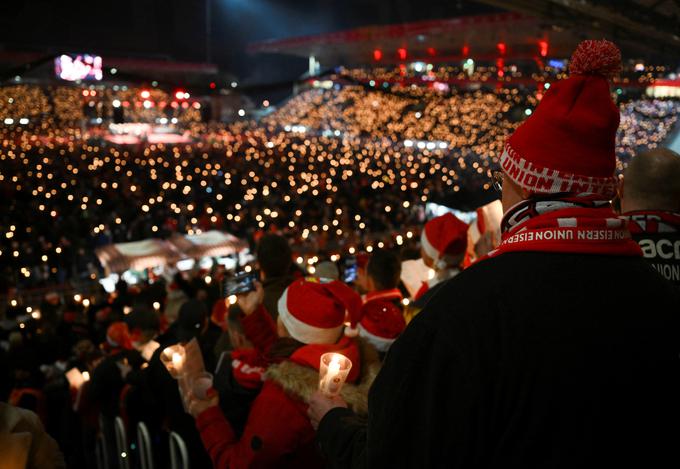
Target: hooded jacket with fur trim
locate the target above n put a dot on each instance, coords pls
(278, 432)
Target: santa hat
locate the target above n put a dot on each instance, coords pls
(444, 236)
(381, 323)
(568, 143)
(314, 312)
(118, 335)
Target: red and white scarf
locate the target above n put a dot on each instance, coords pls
(653, 222)
(582, 223)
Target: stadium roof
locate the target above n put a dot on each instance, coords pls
(651, 26)
(521, 32)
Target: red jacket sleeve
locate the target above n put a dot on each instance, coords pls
(260, 329)
(276, 426)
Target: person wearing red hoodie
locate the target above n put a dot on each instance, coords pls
(278, 433)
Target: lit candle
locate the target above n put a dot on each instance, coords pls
(333, 372)
(177, 361)
(173, 358)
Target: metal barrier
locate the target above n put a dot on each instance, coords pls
(144, 444)
(102, 446)
(179, 456)
(122, 449)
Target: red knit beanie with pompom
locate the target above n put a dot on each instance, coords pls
(568, 143)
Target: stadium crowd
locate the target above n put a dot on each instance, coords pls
(332, 173)
(373, 158)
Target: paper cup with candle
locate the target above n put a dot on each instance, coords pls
(173, 358)
(333, 373)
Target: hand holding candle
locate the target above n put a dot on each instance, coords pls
(173, 358)
(333, 373)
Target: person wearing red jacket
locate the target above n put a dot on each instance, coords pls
(278, 432)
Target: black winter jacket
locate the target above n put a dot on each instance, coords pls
(527, 360)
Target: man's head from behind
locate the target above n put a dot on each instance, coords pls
(652, 182)
(274, 256)
(384, 270)
(568, 144)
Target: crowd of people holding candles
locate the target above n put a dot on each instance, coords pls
(554, 344)
(373, 157)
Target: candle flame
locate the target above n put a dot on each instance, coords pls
(334, 365)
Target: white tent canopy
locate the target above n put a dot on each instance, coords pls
(136, 255)
(209, 244)
(149, 253)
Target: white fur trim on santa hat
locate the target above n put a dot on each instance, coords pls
(381, 344)
(541, 180)
(430, 250)
(302, 331)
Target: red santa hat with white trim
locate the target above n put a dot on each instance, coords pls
(314, 312)
(444, 236)
(568, 143)
(118, 335)
(381, 323)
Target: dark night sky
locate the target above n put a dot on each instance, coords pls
(176, 28)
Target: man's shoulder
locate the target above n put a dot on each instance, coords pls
(514, 277)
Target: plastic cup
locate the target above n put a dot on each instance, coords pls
(333, 372)
(201, 384)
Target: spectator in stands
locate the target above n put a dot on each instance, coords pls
(274, 257)
(144, 325)
(361, 282)
(278, 433)
(382, 314)
(650, 198)
(559, 348)
(162, 395)
(443, 244)
(109, 376)
(327, 270)
(23, 440)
